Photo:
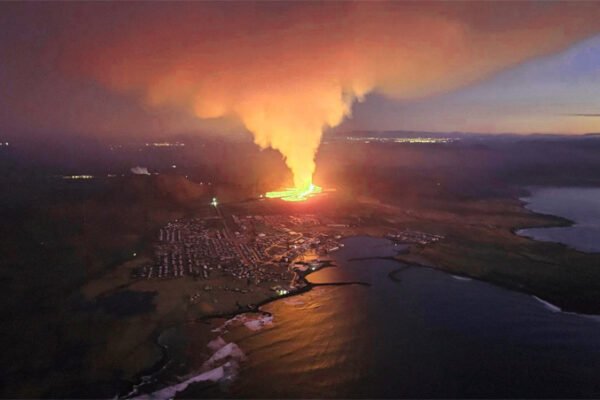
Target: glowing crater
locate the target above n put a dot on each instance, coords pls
(295, 194)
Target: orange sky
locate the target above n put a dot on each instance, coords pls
(289, 71)
(286, 71)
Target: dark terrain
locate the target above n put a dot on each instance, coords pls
(58, 235)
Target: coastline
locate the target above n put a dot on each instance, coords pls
(554, 308)
(441, 279)
(407, 264)
(149, 373)
(554, 221)
(488, 248)
(307, 285)
(509, 286)
(415, 256)
(561, 222)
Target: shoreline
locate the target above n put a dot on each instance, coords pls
(581, 307)
(554, 308)
(200, 389)
(150, 372)
(507, 286)
(407, 264)
(307, 285)
(559, 222)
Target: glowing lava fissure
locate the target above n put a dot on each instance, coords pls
(296, 194)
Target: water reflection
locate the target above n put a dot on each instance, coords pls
(429, 335)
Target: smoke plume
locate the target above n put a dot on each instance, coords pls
(287, 71)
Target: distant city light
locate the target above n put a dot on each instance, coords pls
(415, 140)
(165, 144)
(75, 177)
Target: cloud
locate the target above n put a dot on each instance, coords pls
(289, 70)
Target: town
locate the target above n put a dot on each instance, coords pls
(414, 237)
(272, 251)
(252, 248)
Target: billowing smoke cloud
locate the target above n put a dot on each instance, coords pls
(288, 71)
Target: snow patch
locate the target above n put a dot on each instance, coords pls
(222, 367)
(169, 392)
(548, 306)
(140, 171)
(461, 278)
(230, 351)
(216, 344)
(554, 308)
(253, 323)
(259, 323)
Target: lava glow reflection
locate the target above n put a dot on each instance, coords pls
(296, 194)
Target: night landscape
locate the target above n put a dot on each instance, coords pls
(300, 199)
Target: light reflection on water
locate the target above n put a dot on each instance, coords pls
(428, 335)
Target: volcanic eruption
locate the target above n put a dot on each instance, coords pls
(288, 71)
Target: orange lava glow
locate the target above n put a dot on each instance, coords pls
(295, 194)
(287, 71)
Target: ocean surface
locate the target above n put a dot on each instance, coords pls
(424, 333)
(580, 205)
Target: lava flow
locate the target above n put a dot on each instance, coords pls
(296, 194)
